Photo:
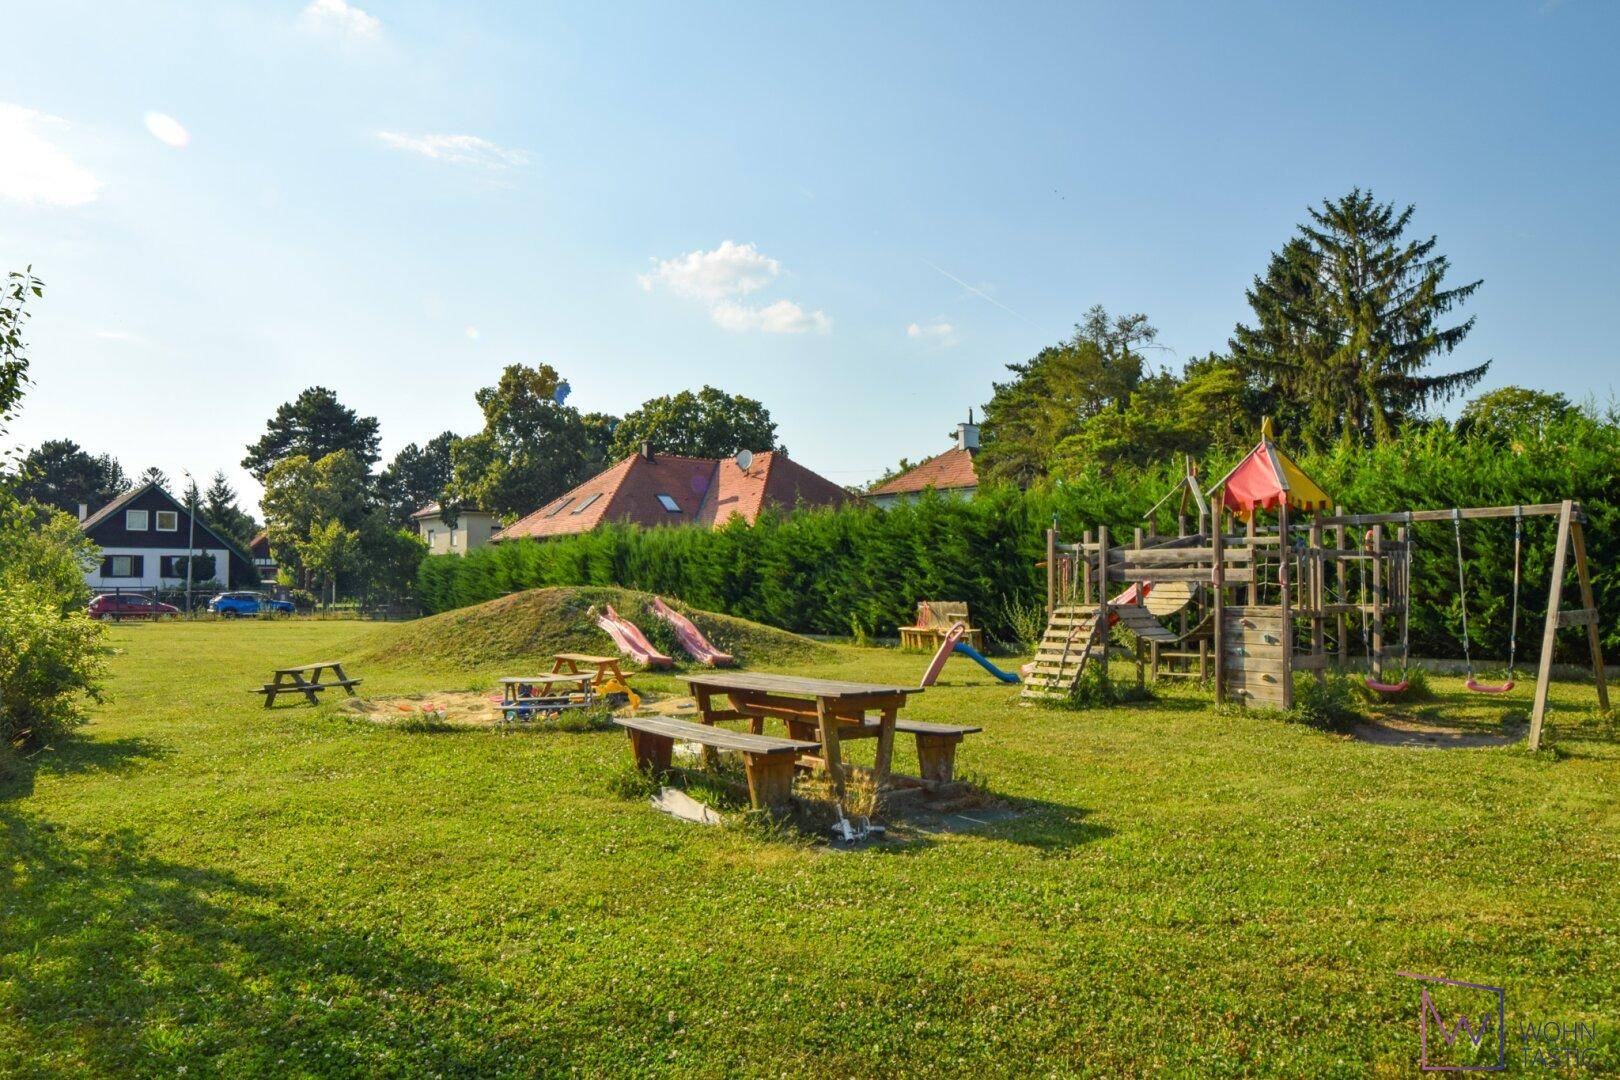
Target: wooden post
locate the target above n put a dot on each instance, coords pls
(1375, 665)
(1141, 674)
(1318, 598)
(1102, 600)
(1051, 570)
(1577, 534)
(1285, 600)
(1549, 631)
(1083, 568)
(1218, 589)
(1403, 590)
(1254, 555)
(1342, 626)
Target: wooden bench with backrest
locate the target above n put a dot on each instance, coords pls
(934, 620)
(768, 760)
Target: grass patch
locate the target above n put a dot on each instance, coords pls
(194, 881)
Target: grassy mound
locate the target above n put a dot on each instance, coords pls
(533, 625)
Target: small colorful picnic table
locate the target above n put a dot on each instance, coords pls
(606, 667)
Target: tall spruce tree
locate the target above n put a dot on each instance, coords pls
(1348, 318)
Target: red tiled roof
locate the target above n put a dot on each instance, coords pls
(950, 470)
(705, 491)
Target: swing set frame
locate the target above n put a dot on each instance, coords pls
(1571, 541)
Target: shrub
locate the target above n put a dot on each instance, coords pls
(1329, 705)
(50, 650)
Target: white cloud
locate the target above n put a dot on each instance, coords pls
(732, 269)
(121, 335)
(340, 20)
(35, 170)
(167, 130)
(936, 330)
(782, 317)
(456, 149)
(722, 276)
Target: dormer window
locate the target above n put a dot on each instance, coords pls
(669, 504)
(580, 509)
(135, 520)
(561, 506)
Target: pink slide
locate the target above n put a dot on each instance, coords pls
(630, 640)
(691, 638)
(937, 664)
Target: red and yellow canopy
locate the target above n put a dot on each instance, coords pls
(1266, 477)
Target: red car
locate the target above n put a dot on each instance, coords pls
(123, 606)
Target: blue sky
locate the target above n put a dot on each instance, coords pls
(857, 213)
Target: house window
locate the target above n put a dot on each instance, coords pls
(168, 521)
(452, 538)
(562, 506)
(431, 534)
(670, 504)
(135, 520)
(580, 509)
(121, 566)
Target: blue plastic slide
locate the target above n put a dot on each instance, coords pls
(974, 654)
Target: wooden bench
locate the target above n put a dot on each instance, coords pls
(936, 747)
(934, 620)
(293, 680)
(767, 760)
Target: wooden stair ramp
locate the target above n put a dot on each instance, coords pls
(1073, 636)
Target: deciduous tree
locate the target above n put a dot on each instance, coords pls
(709, 423)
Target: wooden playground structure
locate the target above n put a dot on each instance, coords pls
(1250, 604)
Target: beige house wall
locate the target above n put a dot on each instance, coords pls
(473, 530)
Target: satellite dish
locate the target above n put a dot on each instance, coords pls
(744, 459)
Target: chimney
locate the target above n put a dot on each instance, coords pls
(84, 511)
(967, 435)
(646, 450)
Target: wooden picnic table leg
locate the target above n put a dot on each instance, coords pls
(703, 698)
(885, 744)
(337, 669)
(308, 688)
(830, 754)
(275, 688)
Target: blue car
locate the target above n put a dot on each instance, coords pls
(233, 605)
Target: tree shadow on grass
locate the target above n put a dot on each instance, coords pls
(69, 754)
(116, 960)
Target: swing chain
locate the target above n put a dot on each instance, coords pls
(1513, 625)
(1462, 589)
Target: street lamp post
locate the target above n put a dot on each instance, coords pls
(191, 534)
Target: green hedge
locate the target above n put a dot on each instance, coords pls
(862, 570)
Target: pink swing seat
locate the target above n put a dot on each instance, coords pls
(1486, 688)
(1384, 687)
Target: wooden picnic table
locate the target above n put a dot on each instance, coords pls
(815, 710)
(513, 687)
(606, 667)
(306, 679)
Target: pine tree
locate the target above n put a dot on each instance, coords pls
(1348, 319)
(219, 510)
(314, 424)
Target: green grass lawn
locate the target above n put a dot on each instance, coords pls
(193, 881)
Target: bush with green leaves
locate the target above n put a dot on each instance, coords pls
(50, 649)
